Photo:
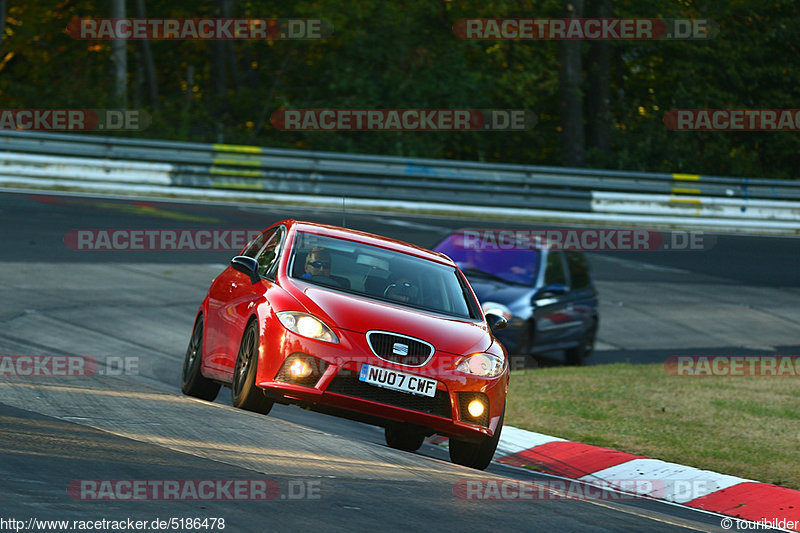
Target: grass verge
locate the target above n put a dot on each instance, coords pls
(743, 426)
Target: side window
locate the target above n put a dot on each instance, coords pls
(578, 270)
(258, 243)
(554, 270)
(268, 256)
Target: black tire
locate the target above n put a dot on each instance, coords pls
(403, 438)
(523, 358)
(476, 455)
(193, 383)
(244, 392)
(577, 356)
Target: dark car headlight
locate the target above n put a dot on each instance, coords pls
(497, 309)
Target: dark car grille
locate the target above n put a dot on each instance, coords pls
(383, 344)
(439, 405)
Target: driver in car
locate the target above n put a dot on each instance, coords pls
(318, 263)
(402, 290)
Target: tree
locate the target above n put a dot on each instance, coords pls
(3, 11)
(573, 145)
(147, 60)
(119, 59)
(599, 87)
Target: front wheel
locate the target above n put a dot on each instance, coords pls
(244, 392)
(476, 455)
(577, 356)
(193, 382)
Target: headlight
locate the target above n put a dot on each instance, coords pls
(481, 364)
(497, 309)
(307, 326)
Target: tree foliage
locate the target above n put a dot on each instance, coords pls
(403, 54)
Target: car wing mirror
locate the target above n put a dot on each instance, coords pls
(495, 321)
(246, 265)
(551, 290)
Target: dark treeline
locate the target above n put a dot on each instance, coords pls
(599, 104)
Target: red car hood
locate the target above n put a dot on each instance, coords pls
(360, 314)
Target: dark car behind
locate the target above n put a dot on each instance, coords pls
(547, 295)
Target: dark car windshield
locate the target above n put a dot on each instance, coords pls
(379, 274)
(479, 258)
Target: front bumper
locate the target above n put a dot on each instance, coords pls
(335, 385)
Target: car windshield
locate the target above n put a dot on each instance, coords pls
(379, 274)
(478, 258)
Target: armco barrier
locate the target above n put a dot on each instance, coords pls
(50, 160)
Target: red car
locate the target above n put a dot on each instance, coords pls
(357, 325)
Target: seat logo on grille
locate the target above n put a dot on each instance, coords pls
(400, 349)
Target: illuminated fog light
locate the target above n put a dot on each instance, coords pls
(300, 369)
(475, 408)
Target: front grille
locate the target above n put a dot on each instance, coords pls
(439, 405)
(399, 348)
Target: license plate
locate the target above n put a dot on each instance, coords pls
(399, 381)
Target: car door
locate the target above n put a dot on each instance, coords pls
(583, 295)
(551, 309)
(233, 295)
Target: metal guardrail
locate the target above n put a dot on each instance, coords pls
(326, 174)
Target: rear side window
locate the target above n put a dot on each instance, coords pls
(554, 270)
(268, 256)
(258, 243)
(578, 270)
(265, 248)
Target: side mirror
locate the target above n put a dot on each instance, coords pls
(246, 265)
(550, 291)
(496, 322)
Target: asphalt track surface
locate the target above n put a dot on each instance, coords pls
(739, 297)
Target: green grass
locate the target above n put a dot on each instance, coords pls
(743, 426)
